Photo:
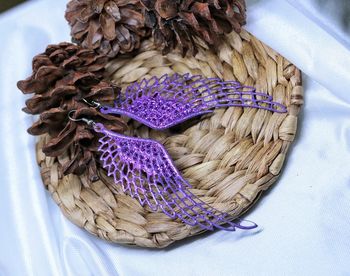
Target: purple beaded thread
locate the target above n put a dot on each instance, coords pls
(161, 103)
(146, 172)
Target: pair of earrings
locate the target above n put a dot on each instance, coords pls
(143, 167)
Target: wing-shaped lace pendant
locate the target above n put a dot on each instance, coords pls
(146, 172)
(163, 102)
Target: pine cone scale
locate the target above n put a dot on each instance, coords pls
(108, 26)
(113, 11)
(79, 30)
(148, 4)
(39, 81)
(97, 5)
(71, 62)
(49, 74)
(41, 60)
(134, 20)
(53, 116)
(166, 9)
(60, 144)
(85, 14)
(92, 38)
(202, 9)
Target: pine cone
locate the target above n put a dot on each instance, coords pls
(62, 76)
(108, 26)
(177, 22)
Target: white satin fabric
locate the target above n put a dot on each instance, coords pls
(304, 220)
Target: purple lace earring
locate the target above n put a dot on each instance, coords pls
(143, 167)
(161, 103)
(146, 172)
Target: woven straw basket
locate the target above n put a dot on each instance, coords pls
(229, 158)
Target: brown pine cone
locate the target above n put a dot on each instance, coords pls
(177, 22)
(108, 26)
(62, 76)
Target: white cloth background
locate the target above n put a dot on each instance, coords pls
(304, 220)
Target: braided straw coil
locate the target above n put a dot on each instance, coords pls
(229, 158)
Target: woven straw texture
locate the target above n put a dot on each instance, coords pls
(229, 158)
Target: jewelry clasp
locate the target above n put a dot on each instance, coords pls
(87, 121)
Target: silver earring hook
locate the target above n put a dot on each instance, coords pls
(93, 104)
(87, 121)
(70, 116)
